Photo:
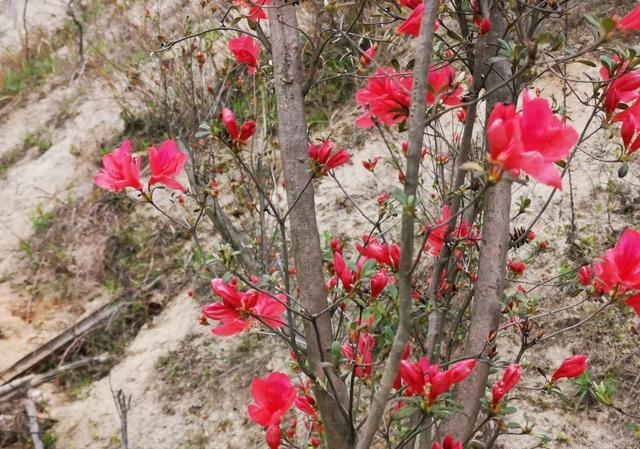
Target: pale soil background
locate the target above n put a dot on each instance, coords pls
(190, 389)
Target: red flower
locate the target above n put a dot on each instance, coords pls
(413, 23)
(443, 381)
(387, 97)
(462, 115)
(237, 307)
(624, 258)
(441, 86)
(509, 380)
(166, 163)
(631, 21)
(634, 303)
(230, 122)
(623, 90)
(256, 12)
(322, 159)
(364, 359)
(530, 142)
(387, 94)
(273, 397)
(369, 55)
(273, 436)
(485, 26)
(378, 282)
(405, 356)
(437, 233)
(371, 164)
(411, 4)
(343, 272)
(618, 271)
(381, 252)
(303, 403)
(417, 375)
(571, 368)
(516, 267)
(585, 275)
(447, 443)
(246, 50)
(120, 170)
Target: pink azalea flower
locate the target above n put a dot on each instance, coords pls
(411, 4)
(166, 163)
(447, 443)
(585, 275)
(303, 403)
(383, 253)
(630, 119)
(437, 234)
(238, 309)
(256, 12)
(379, 282)
(343, 272)
(624, 257)
(387, 95)
(531, 141)
(369, 55)
(631, 21)
(516, 267)
(441, 86)
(571, 368)
(618, 271)
(246, 50)
(324, 159)
(412, 24)
(485, 26)
(417, 375)
(623, 90)
(230, 122)
(120, 170)
(364, 358)
(273, 396)
(510, 379)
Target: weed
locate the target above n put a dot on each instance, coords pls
(41, 221)
(39, 140)
(74, 151)
(10, 158)
(27, 74)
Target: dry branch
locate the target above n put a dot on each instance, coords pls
(32, 421)
(21, 385)
(83, 326)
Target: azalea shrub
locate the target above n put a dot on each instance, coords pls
(396, 334)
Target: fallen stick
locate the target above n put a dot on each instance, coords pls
(32, 420)
(81, 327)
(20, 386)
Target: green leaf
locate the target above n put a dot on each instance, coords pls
(405, 412)
(586, 62)
(623, 170)
(336, 349)
(561, 164)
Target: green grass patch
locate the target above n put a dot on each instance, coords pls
(26, 74)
